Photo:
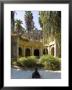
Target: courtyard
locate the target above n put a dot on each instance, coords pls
(36, 42)
(27, 74)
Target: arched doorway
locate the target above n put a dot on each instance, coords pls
(45, 51)
(27, 52)
(36, 52)
(52, 51)
(20, 51)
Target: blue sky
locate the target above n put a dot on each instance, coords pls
(20, 15)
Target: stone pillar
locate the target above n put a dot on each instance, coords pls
(41, 52)
(55, 50)
(17, 48)
(49, 50)
(32, 51)
(23, 52)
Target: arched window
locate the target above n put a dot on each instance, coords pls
(45, 51)
(52, 51)
(20, 51)
(36, 52)
(27, 52)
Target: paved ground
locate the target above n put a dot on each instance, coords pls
(26, 74)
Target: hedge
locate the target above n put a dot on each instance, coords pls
(50, 62)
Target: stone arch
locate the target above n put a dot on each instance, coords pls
(27, 52)
(36, 52)
(52, 51)
(45, 51)
(20, 51)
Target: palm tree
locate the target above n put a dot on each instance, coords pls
(18, 26)
(29, 22)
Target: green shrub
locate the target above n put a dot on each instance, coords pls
(27, 62)
(33, 58)
(50, 62)
(53, 65)
(43, 59)
(31, 61)
(39, 65)
(13, 61)
(21, 61)
(46, 61)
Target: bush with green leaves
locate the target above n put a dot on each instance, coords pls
(33, 58)
(43, 59)
(13, 61)
(39, 65)
(46, 61)
(50, 62)
(31, 61)
(27, 62)
(53, 65)
(21, 61)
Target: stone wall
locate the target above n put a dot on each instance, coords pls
(19, 44)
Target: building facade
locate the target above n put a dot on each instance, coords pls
(31, 43)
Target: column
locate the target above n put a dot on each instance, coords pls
(41, 52)
(17, 48)
(24, 52)
(55, 50)
(32, 51)
(49, 51)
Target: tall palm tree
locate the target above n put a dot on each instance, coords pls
(29, 22)
(18, 26)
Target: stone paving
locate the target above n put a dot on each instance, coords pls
(27, 74)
